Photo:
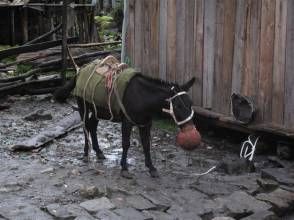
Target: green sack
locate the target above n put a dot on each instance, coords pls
(91, 86)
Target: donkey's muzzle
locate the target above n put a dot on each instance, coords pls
(188, 138)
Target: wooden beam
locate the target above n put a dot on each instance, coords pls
(94, 44)
(44, 36)
(220, 120)
(81, 59)
(33, 47)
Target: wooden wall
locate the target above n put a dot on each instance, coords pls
(243, 46)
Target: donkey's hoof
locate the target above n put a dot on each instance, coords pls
(126, 174)
(100, 156)
(154, 173)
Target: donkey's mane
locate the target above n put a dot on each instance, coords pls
(159, 82)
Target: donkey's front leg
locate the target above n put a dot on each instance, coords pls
(145, 139)
(126, 128)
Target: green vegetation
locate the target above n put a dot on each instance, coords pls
(70, 73)
(22, 68)
(104, 21)
(118, 15)
(165, 124)
(109, 25)
(9, 59)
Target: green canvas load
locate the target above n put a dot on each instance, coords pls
(101, 81)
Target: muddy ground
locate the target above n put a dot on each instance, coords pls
(54, 183)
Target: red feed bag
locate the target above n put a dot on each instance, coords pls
(188, 138)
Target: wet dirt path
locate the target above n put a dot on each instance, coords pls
(55, 183)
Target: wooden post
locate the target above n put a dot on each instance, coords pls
(24, 21)
(12, 27)
(64, 38)
(124, 31)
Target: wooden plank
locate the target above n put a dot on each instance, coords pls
(12, 25)
(209, 43)
(131, 33)
(198, 47)
(228, 54)
(218, 57)
(146, 37)
(220, 120)
(162, 39)
(125, 30)
(32, 48)
(266, 61)
(154, 38)
(180, 41)
(238, 60)
(279, 62)
(24, 24)
(190, 51)
(171, 40)
(289, 76)
(138, 32)
(249, 86)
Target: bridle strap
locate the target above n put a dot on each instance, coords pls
(171, 109)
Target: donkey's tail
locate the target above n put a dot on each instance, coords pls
(62, 93)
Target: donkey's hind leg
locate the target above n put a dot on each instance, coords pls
(84, 113)
(93, 123)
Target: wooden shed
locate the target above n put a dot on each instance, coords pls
(24, 20)
(230, 46)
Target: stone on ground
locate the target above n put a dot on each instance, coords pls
(223, 218)
(66, 211)
(92, 191)
(178, 212)
(267, 184)
(96, 205)
(284, 176)
(160, 201)
(158, 215)
(281, 200)
(263, 215)
(85, 218)
(107, 215)
(139, 202)
(240, 204)
(131, 214)
(23, 212)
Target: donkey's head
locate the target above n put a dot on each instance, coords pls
(180, 108)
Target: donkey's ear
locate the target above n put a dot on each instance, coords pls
(188, 84)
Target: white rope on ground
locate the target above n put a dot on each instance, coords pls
(202, 174)
(247, 146)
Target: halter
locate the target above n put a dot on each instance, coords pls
(171, 109)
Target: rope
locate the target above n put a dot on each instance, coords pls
(202, 174)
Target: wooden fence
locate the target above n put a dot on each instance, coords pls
(242, 46)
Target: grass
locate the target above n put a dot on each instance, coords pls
(165, 124)
(23, 68)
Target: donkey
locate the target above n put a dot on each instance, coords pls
(144, 98)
